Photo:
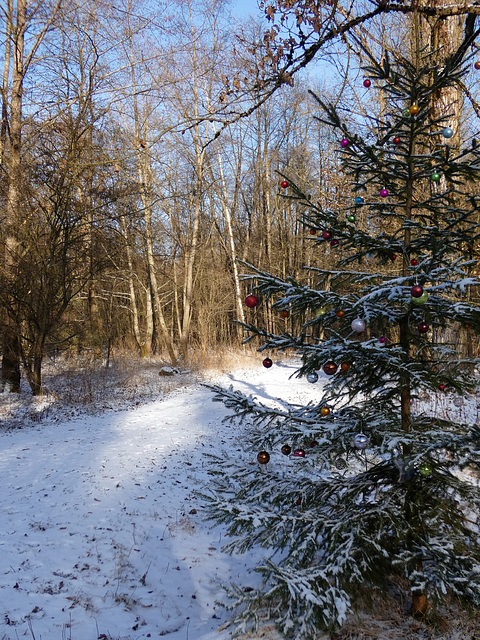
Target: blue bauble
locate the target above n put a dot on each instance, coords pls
(312, 377)
(447, 132)
(358, 200)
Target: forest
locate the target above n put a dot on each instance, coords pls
(143, 148)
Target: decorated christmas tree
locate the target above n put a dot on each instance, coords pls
(375, 484)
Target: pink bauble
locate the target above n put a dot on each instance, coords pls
(384, 193)
(344, 143)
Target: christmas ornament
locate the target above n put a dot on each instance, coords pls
(384, 193)
(321, 312)
(358, 325)
(340, 464)
(382, 340)
(396, 140)
(459, 402)
(423, 327)
(251, 301)
(351, 218)
(344, 143)
(394, 257)
(313, 232)
(477, 65)
(325, 411)
(345, 366)
(360, 441)
(435, 176)
(366, 83)
(340, 313)
(358, 200)
(263, 457)
(421, 300)
(406, 113)
(442, 386)
(312, 377)
(416, 291)
(284, 313)
(413, 262)
(326, 235)
(284, 184)
(447, 132)
(425, 469)
(330, 368)
(286, 449)
(299, 453)
(267, 363)
(333, 243)
(313, 444)
(414, 109)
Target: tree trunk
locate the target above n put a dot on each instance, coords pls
(11, 350)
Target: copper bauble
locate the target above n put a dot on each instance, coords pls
(263, 457)
(330, 368)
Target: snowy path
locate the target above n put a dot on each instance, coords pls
(100, 535)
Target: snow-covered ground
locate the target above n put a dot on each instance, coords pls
(102, 533)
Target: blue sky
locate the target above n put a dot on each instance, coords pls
(245, 7)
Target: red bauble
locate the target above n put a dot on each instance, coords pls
(345, 366)
(299, 453)
(442, 387)
(423, 327)
(333, 243)
(267, 363)
(251, 301)
(284, 184)
(394, 257)
(366, 83)
(263, 457)
(313, 444)
(416, 291)
(414, 263)
(284, 313)
(313, 232)
(326, 235)
(396, 140)
(330, 368)
(286, 449)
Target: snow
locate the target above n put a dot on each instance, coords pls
(103, 536)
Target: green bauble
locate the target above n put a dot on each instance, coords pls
(321, 312)
(406, 113)
(351, 218)
(436, 177)
(425, 469)
(421, 300)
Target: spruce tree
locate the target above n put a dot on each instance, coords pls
(380, 487)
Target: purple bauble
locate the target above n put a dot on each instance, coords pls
(423, 327)
(382, 340)
(267, 363)
(384, 193)
(344, 143)
(299, 453)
